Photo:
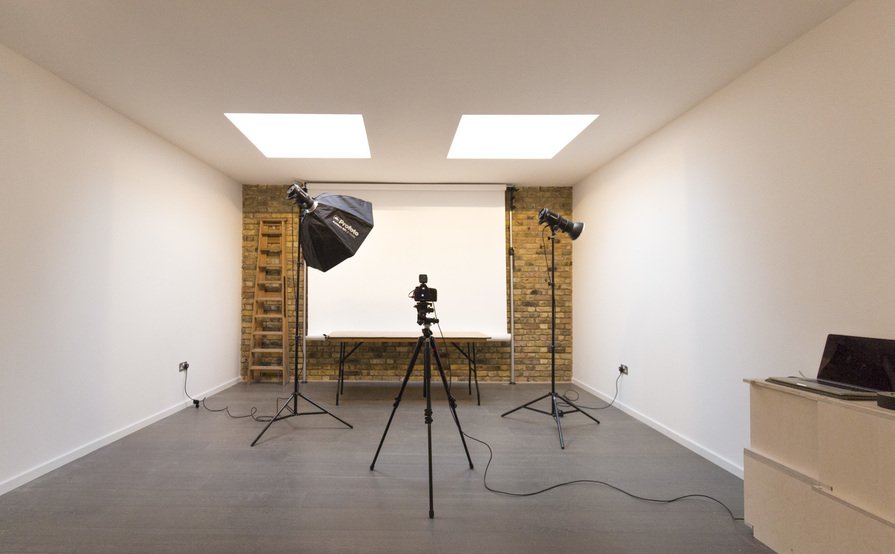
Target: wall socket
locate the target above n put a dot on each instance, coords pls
(183, 366)
(623, 369)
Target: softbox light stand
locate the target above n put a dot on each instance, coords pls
(290, 407)
(554, 398)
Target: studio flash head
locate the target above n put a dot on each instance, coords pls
(558, 222)
(299, 194)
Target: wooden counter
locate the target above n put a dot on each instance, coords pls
(819, 474)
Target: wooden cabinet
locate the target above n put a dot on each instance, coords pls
(819, 474)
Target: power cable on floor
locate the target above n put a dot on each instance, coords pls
(573, 391)
(226, 409)
(589, 481)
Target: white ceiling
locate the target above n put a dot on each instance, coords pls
(411, 67)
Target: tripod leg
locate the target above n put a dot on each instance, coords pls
(452, 403)
(294, 397)
(427, 380)
(412, 363)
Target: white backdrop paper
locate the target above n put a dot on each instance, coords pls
(455, 234)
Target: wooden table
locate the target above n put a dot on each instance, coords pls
(358, 338)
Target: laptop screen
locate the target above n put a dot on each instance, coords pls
(859, 361)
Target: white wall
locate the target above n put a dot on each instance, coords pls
(728, 244)
(120, 258)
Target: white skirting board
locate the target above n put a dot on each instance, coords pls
(727, 465)
(81, 451)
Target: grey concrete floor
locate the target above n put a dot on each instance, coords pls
(191, 482)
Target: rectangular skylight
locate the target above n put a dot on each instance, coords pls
(534, 137)
(292, 135)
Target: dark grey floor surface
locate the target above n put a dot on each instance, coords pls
(191, 482)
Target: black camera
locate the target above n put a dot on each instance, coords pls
(424, 297)
(423, 293)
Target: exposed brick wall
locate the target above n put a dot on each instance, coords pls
(388, 361)
(532, 291)
(265, 202)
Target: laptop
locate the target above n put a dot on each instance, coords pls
(851, 368)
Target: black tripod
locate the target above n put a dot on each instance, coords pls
(292, 411)
(555, 398)
(428, 343)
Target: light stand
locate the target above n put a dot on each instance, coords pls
(555, 398)
(292, 410)
(426, 343)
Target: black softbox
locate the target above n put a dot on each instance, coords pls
(333, 228)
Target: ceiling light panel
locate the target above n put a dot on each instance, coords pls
(534, 137)
(304, 135)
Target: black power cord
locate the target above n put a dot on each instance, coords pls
(575, 393)
(589, 481)
(252, 413)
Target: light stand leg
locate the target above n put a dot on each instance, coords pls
(274, 418)
(293, 411)
(576, 408)
(526, 405)
(554, 412)
(296, 394)
(556, 415)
